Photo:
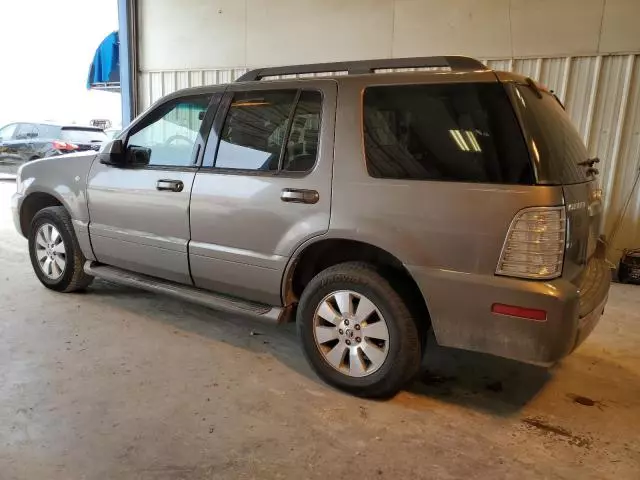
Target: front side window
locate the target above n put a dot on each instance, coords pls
(6, 133)
(169, 133)
(463, 132)
(271, 131)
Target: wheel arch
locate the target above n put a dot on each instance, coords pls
(321, 253)
(32, 204)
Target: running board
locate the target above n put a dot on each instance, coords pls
(185, 292)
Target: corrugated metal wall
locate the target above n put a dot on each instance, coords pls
(601, 94)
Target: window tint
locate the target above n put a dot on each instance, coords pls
(49, 131)
(451, 132)
(27, 131)
(82, 135)
(554, 139)
(6, 133)
(254, 130)
(169, 133)
(302, 147)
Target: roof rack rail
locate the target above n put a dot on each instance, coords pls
(455, 63)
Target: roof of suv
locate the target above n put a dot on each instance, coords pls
(360, 67)
(391, 71)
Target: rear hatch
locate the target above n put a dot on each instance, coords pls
(85, 138)
(560, 158)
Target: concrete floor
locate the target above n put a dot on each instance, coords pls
(118, 384)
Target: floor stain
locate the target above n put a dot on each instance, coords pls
(557, 431)
(586, 401)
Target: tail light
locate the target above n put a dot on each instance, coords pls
(534, 247)
(59, 145)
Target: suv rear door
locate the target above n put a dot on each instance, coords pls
(265, 185)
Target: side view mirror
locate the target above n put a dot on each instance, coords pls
(138, 157)
(112, 153)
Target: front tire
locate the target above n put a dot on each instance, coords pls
(357, 332)
(55, 254)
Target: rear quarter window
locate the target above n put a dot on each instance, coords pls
(465, 132)
(49, 131)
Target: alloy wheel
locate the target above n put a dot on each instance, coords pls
(50, 251)
(351, 333)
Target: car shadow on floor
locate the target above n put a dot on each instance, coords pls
(483, 382)
(473, 380)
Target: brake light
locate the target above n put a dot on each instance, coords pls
(60, 145)
(535, 243)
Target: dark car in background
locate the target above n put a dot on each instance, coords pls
(23, 142)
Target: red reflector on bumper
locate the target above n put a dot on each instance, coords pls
(513, 311)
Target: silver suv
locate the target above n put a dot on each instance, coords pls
(369, 204)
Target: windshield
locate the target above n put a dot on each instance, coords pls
(556, 146)
(83, 135)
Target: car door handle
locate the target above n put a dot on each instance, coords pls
(170, 185)
(295, 195)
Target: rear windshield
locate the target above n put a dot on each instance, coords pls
(554, 140)
(465, 132)
(83, 135)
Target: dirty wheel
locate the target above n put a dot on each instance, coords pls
(54, 251)
(357, 331)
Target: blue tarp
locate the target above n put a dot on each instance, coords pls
(105, 67)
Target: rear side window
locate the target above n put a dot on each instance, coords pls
(553, 138)
(254, 130)
(302, 147)
(271, 131)
(49, 131)
(82, 135)
(448, 132)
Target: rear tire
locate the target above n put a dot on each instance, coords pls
(55, 253)
(357, 332)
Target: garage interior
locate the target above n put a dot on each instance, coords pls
(117, 383)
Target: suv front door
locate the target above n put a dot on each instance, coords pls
(265, 186)
(140, 213)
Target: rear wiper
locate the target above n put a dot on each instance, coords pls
(589, 162)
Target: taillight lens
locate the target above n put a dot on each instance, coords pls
(59, 145)
(534, 247)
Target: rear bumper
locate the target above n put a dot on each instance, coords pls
(460, 308)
